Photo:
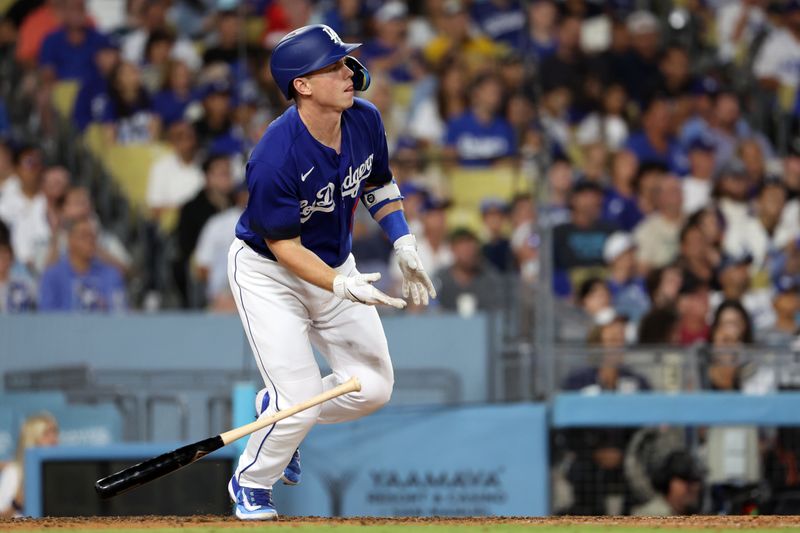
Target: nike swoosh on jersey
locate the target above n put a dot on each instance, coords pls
(304, 176)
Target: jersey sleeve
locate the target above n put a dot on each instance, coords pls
(380, 170)
(274, 205)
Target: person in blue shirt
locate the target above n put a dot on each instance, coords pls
(388, 51)
(68, 53)
(93, 96)
(481, 136)
(129, 116)
(177, 94)
(291, 270)
(501, 20)
(628, 291)
(655, 142)
(80, 281)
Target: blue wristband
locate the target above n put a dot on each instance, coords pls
(394, 225)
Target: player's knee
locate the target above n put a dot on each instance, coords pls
(308, 417)
(378, 392)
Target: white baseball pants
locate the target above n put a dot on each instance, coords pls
(282, 317)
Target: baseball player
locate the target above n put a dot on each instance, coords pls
(290, 269)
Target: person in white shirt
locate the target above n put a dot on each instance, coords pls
(32, 235)
(37, 430)
(738, 24)
(211, 253)
(175, 177)
(22, 192)
(154, 18)
(778, 60)
(698, 184)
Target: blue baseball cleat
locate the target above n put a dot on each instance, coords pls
(252, 504)
(291, 474)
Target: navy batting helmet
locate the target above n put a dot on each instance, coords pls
(311, 48)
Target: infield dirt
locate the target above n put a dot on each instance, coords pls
(718, 523)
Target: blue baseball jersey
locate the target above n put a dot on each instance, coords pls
(300, 187)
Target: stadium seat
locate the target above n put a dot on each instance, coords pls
(64, 94)
(469, 187)
(130, 167)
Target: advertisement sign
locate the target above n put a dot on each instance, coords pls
(455, 461)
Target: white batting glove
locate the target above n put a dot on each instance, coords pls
(359, 288)
(415, 280)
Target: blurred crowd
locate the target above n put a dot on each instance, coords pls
(657, 143)
(659, 148)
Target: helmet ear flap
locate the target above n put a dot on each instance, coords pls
(361, 77)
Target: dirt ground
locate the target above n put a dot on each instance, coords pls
(709, 522)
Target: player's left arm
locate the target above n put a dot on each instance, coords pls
(385, 204)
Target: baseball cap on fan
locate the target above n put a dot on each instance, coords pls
(617, 244)
(392, 10)
(641, 22)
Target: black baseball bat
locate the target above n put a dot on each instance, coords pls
(146, 471)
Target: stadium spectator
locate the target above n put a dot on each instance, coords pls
(541, 40)
(698, 183)
(655, 142)
(501, 20)
(213, 198)
(786, 304)
(388, 53)
(92, 98)
(455, 37)
(80, 281)
(215, 128)
(693, 307)
(225, 50)
(659, 326)
(156, 60)
(481, 136)
(77, 205)
(22, 191)
(428, 118)
(346, 18)
(37, 430)
(578, 244)
(620, 199)
(177, 94)
(469, 284)
(730, 330)
(496, 247)
(638, 69)
(128, 118)
(658, 236)
(678, 481)
(694, 258)
(575, 321)
(561, 178)
(629, 296)
(175, 177)
(608, 125)
(34, 230)
(33, 30)
(154, 18)
(778, 59)
(69, 52)
(674, 79)
(566, 67)
(664, 285)
(17, 288)
(739, 24)
(210, 257)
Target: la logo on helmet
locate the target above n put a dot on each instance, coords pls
(332, 34)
